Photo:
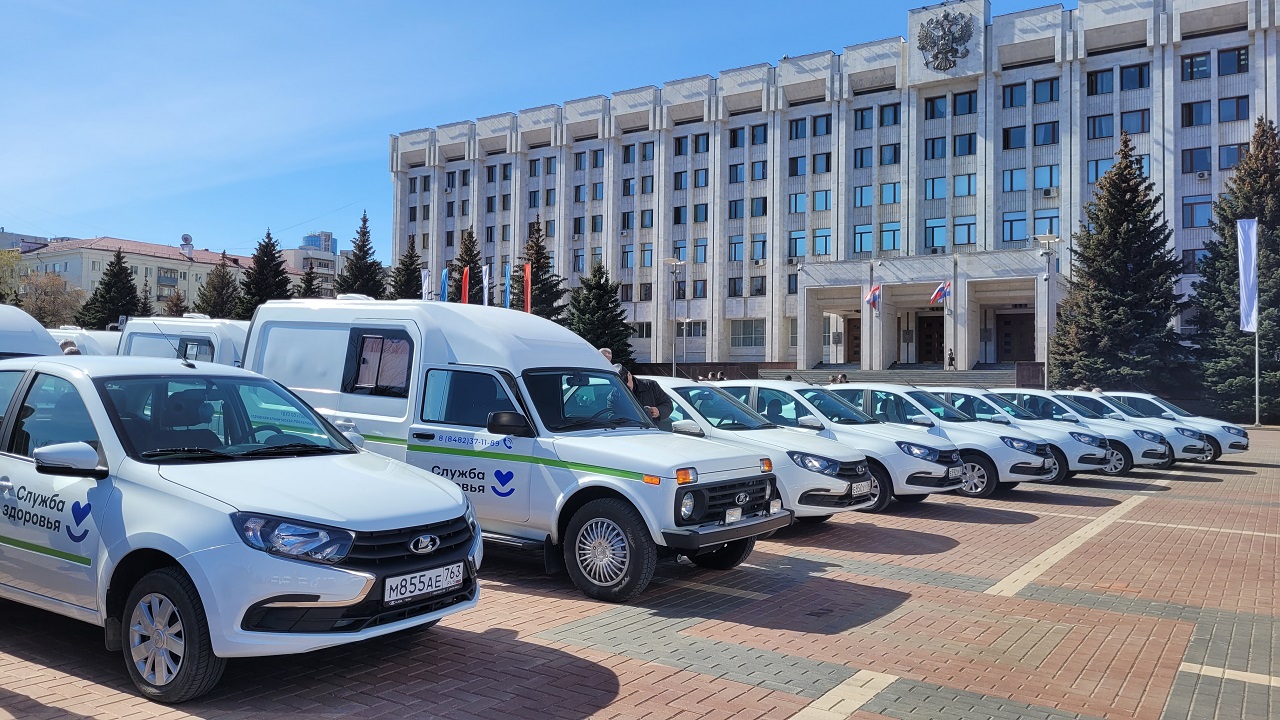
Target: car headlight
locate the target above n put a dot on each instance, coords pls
(293, 539)
(470, 514)
(1235, 430)
(815, 463)
(924, 452)
(1150, 436)
(1020, 445)
(686, 506)
(1188, 432)
(1087, 439)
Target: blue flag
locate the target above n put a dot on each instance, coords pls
(506, 294)
(444, 285)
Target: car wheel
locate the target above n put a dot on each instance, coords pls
(608, 551)
(911, 499)
(1061, 471)
(813, 519)
(979, 479)
(1009, 486)
(167, 647)
(1167, 463)
(1119, 459)
(881, 490)
(727, 557)
(1214, 452)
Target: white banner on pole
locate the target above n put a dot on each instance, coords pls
(1247, 241)
(426, 283)
(484, 284)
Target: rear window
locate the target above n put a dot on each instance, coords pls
(378, 362)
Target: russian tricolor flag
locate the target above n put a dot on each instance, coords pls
(873, 297)
(941, 293)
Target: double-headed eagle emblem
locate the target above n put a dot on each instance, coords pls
(944, 40)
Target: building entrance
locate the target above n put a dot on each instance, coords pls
(1016, 338)
(853, 340)
(931, 338)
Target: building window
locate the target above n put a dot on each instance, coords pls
(628, 154)
(746, 333)
(735, 248)
(737, 137)
(597, 191)
(760, 170)
(889, 153)
(534, 196)
(1047, 222)
(935, 188)
(821, 241)
(1196, 211)
(579, 194)
(759, 246)
(628, 256)
(1015, 179)
(646, 294)
(862, 196)
(759, 206)
(1015, 137)
(491, 204)
(624, 292)
(506, 171)
(1015, 95)
(1100, 82)
(679, 214)
(646, 255)
(451, 179)
(1195, 67)
(413, 213)
(890, 235)
(700, 212)
(1135, 77)
(448, 238)
(821, 200)
(821, 163)
(700, 178)
(466, 178)
(413, 185)
(680, 250)
(1197, 160)
(580, 161)
(965, 144)
(793, 285)
(797, 129)
(628, 187)
(736, 209)
(1046, 133)
(862, 157)
(646, 185)
(1233, 108)
(597, 223)
(506, 234)
(549, 166)
(696, 328)
(935, 148)
(862, 238)
(1046, 176)
(737, 173)
(964, 103)
(699, 253)
(1234, 61)
(890, 193)
(1015, 226)
(758, 287)
(448, 209)
(735, 287)
(534, 167)
(1098, 168)
(935, 232)
(490, 233)
(1193, 260)
(1101, 126)
(759, 134)
(935, 108)
(699, 288)
(680, 145)
(579, 260)
(1046, 90)
(966, 230)
(797, 203)
(890, 115)
(796, 166)
(628, 220)
(464, 206)
(1229, 155)
(966, 184)
(579, 225)
(795, 243)
(821, 125)
(1196, 113)
(680, 180)
(1136, 122)
(646, 218)
(646, 151)
(863, 118)
(700, 142)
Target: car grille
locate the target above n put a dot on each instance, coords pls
(852, 471)
(391, 547)
(1043, 450)
(948, 457)
(711, 501)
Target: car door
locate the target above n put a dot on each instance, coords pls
(9, 382)
(50, 523)
(449, 437)
(781, 408)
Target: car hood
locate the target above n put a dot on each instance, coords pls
(1114, 429)
(1161, 425)
(980, 433)
(892, 433)
(1052, 429)
(782, 439)
(652, 452)
(361, 492)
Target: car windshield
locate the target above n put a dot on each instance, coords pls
(188, 418)
(1077, 408)
(1017, 411)
(721, 409)
(581, 399)
(1140, 407)
(835, 408)
(981, 408)
(1099, 406)
(1171, 407)
(940, 409)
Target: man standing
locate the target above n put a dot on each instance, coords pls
(655, 402)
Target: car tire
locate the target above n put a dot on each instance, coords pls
(726, 558)
(608, 551)
(162, 607)
(1062, 469)
(1215, 450)
(980, 477)
(1119, 460)
(1166, 464)
(812, 520)
(1009, 486)
(912, 499)
(881, 490)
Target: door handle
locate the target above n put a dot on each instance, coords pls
(424, 436)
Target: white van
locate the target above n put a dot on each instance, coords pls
(89, 342)
(191, 337)
(532, 423)
(22, 335)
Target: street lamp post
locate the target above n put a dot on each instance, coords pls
(1047, 253)
(677, 267)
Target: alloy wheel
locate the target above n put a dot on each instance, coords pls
(975, 478)
(157, 641)
(1115, 462)
(603, 554)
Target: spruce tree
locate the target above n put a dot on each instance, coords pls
(145, 308)
(468, 256)
(219, 297)
(406, 278)
(115, 295)
(309, 286)
(1226, 353)
(547, 288)
(1114, 328)
(266, 279)
(595, 313)
(175, 305)
(362, 274)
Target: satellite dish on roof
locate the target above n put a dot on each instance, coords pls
(186, 239)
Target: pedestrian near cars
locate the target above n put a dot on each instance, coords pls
(842, 378)
(787, 378)
(831, 380)
(951, 359)
(69, 347)
(607, 353)
(656, 402)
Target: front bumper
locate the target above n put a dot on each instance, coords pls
(1156, 455)
(808, 493)
(1090, 461)
(1034, 470)
(923, 477)
(1236, 446)
(1144, 452)
(1188, 449)
(696, 538)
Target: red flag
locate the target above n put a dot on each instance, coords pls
(466, 282)
(528, 287)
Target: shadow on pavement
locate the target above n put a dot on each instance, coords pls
(953, 511)
(1215, 468)
(1053, 497)
(29, 708)
(1108, 484)
(865, 537)
(1194, 479)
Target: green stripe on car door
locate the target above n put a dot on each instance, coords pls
(510, 457)
(24, 545)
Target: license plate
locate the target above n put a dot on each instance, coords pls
(862, 488)
(955, 472)
(732, 515)
(403, 588)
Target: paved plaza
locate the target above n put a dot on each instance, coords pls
(1153, 596)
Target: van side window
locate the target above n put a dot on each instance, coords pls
(52, 413)
(200, 349)
(378, 362)
(456, 397)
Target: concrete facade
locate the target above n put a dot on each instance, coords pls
(790, 190)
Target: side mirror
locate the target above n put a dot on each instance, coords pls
(999, 419)
(1070, 417)
(1115, 416)
(509, 423)
(687, 427)
(354, 438)
(1168, 416)
(811, 422)
(920, 420)
(76, 459)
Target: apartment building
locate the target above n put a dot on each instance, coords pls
(749, 215)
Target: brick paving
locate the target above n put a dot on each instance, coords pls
(1045, 602)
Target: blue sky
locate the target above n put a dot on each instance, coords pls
(147, 120)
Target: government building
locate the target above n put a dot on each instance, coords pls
(749, 215)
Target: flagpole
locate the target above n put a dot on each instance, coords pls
(1257, 382)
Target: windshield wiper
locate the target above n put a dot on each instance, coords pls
(193, 453)
(290, 449)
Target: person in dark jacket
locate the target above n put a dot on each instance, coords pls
(650, 396)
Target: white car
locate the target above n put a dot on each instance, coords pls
(1223, 437)
(816, 477)
(148, 497)
(905, 463)
(1074, 449)
(1127, 445)
(1186, 442)
(992, 457)
(22, 335)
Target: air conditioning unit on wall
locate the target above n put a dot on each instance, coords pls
(1203, 175)
(1049, 193)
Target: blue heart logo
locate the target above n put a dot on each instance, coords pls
(503, 477)
(80, 512)
(77, 538)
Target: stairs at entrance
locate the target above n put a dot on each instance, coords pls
(982, 375)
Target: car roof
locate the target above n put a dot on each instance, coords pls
(774, 384)
(888, 387)
(97, 366)
(958, 389)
